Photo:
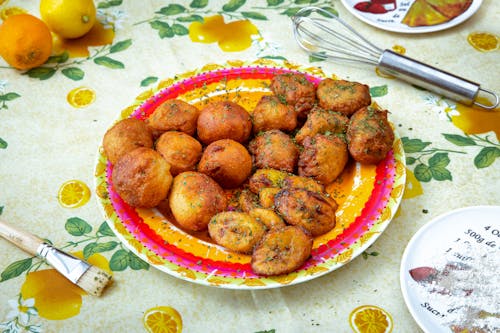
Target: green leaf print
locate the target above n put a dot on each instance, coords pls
(291, 11)
(190, 18)
(59, 58)
(423, 173)
(149, 80)
(459, 140)
(119, 260)
(109, 62)
(378, 91)
(136, 263)
(330, 10)
(3, 144)
(108, 4)
(92, 248)
(172, 9)
(486, 157)
(15, 269)
(410, 160)
(164, 29)
(120, 46)
(105, 230)
(304, 2)
(439, 160)
(198, 4)
(254, 15)
(75, 226)
(233, 5)
(74, 73)
(318, 56)
(274, 2)
(413, 145)
(9, 96)
(179, 30)
(42, 73)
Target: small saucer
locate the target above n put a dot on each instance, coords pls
(449, 270)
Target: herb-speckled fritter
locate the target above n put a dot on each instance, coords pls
(223, 120)
(194, 198)
(227, 162)
(270, 114)
(309, 210)
(324, 158)
(263, 178)
(174, 115)
(281, 251)
(342, 96)
(296, 90)
(142, 178)
(369, 136)
(321, 121)
(274, 149)
(125, 136)
(180, 150)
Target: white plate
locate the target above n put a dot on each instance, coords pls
(467, 237)
(391, 20)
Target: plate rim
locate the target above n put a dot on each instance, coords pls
(392, 204)
(441, 218)
(473, 8)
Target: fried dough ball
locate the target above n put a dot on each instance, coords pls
(180, 150)
(324, 158)
(247, 200)
(237, 231)
(266, 178)
(321, 121)
(270, 114)
(227, 162)
(223, 120)
(295, 90)
(266, 196)
(125, 136)
(309, 210)
(274, 149)
(268, 217)
(369, 136)
(142, 178)
(305, 183)
(194, 198)
(343, 96)
(281, 251)
(174, 115)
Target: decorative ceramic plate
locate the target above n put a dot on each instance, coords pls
(449, 272)
(368, 196)
(412, 16)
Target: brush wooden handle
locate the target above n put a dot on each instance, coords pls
(26, 241)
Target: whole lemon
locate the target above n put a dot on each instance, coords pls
(68, 18)
(25, 41)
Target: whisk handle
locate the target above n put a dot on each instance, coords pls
(433, 79)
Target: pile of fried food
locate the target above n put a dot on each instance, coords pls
(280, 156)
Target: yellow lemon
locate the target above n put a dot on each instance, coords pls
(73, 194)
(9, 11)
(370, 319)
(80, 97)
(68, 18)
(483, 41)
(162, 319)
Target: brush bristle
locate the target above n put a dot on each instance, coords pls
(94, 281)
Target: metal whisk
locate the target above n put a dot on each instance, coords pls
(326, 36)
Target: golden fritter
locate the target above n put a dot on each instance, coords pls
(247, 200)
(180, 150)
(296, 90)
(369, 136)
(174, 115)
(270, 114)
(194, 198)
(343, 96)
(274, 149)
(266, 178)
(142, 178)
(281, 251)
(125, 136)
(266, 196)
(237, 231)
(306, 183)
(309, 210)
(227, 162)
(223, 120)
(268, 217)
(324, 158)
(321, 121)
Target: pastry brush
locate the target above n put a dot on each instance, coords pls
(90, 278)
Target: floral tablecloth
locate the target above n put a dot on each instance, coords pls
(53, 118)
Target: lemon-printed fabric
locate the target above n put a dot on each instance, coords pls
(53, 117)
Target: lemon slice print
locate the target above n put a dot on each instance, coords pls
(162, 319)
(81, 97)
(73, 194)
(483, 41)
(370, 319)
